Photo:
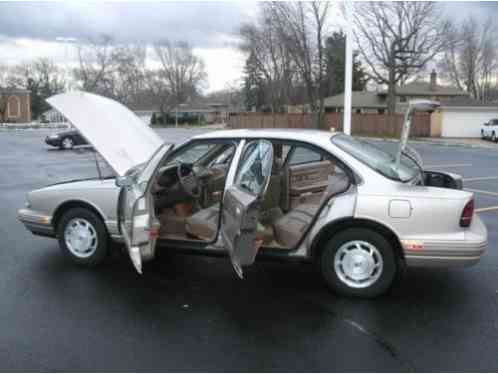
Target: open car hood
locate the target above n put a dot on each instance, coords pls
(122, 138)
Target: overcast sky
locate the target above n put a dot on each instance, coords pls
(34, 29)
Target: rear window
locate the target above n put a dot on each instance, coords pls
(377, 158)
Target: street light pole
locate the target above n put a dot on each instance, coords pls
(348, 73)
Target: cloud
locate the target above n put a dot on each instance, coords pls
(202, 24)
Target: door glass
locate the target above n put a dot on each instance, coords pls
(255, 168)
(302, 155)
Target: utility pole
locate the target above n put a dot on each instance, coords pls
(348, 71)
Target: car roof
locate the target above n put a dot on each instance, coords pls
(305, 135)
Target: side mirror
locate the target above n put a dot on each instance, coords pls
(123, 181)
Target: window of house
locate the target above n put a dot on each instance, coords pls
(402, 99)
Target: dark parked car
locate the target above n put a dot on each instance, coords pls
(66, 139)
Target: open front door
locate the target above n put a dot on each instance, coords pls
(242, 202)
(137, 224)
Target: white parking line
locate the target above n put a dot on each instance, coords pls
(447, 166)
(479, 179)
(481, 191)
(487, 209)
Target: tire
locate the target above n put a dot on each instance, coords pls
(482, 135)
(493, 137)
(363, 251)
(83, 237)
(67, 143)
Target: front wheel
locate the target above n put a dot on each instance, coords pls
(358, 262)
(482, 135)
(83, 237)
(493, 137)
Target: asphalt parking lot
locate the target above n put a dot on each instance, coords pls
(193, 314)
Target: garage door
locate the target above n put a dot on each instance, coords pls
(465, 123)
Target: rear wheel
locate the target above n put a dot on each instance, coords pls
(482, 134)
(358, 262)
(83, 237)
(67, 143)
(493, 137)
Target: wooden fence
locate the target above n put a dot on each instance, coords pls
(368, 124)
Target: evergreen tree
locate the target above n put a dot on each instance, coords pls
(335, 49)
(253, 85)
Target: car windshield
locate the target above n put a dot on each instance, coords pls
(377, 158)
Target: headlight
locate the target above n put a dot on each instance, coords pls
(54, 137)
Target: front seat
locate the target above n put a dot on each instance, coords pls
(204, 223)
(290, 227)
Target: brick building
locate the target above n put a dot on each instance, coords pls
(17, 105)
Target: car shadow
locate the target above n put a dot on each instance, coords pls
(78, 149)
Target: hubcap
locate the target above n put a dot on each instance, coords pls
(80, 237)
(67, 143)
(358, 264)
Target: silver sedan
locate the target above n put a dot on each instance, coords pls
(359, 212)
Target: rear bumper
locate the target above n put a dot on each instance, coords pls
(37, 223)
(458, 253)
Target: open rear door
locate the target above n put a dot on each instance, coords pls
(242, 202)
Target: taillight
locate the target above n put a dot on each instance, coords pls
(468, 212)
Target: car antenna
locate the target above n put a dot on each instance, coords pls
(97, 164)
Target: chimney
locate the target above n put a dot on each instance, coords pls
(433, 80)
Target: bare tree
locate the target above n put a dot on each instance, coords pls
(96, 60)
(182, 73)
(128, 74)
(398, 39)
(269, 58)
(111, 69)
(158, 90)
(302, 28)
(471, 57)
(43, 78)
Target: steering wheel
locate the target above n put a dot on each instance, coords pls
(188, 180)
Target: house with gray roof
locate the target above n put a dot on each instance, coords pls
(376, 102)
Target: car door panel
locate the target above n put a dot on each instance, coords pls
(137, 222)
(242, 201)
(137, 225)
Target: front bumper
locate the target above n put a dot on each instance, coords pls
(456, 253)
(54, 142)
(37, 223)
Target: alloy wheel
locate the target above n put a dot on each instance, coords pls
(80, 237)
(358, 264)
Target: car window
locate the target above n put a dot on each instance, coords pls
(302, 155)
(377, 158)
(191, 154)
(255, 167)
